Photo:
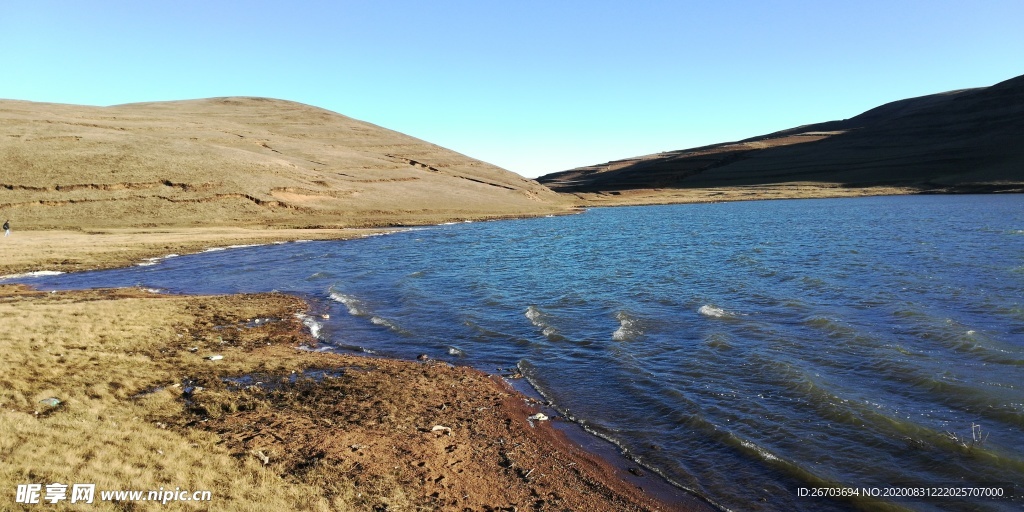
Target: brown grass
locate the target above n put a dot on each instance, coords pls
(142, 407)
(237, 162)
(635, 197)
(96, 352)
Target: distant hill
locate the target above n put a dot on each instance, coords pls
(960, 141)
(239, 162)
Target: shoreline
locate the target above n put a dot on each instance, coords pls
(602, 463)
(107, 248)
(255, 414)
(42, 250)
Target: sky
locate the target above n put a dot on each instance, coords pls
(531, 86)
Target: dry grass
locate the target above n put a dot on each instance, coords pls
(237, 162)
(143, 407)
(720, 194)
(97, 352)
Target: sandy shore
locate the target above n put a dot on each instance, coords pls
(142, 402)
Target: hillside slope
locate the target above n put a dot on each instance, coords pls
(961, 141)
(237, 162)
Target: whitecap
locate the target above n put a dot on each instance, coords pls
(629, 327)
(534, 314)
(349, 301)
(713, 312)
(215, 249)
(539, 319)
(376, 320)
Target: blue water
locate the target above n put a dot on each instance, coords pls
(742, 350)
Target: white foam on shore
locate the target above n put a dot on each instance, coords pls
(313, 326)
(37, 273)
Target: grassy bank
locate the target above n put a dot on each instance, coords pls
(268, 426)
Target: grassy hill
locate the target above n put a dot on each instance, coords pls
(961, 141)
(237, 162)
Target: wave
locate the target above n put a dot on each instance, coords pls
(311, 324)
(715, 312)
(357, 308)
(539, 319)
(353, 304)
(629, 327)
(153, 261)
(383, 322)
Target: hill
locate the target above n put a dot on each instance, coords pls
(960, 141)
(237, 162)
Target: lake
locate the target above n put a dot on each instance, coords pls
(742, 350)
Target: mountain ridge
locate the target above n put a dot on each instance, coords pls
(958, 141)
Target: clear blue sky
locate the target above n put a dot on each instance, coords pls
(532, 86)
